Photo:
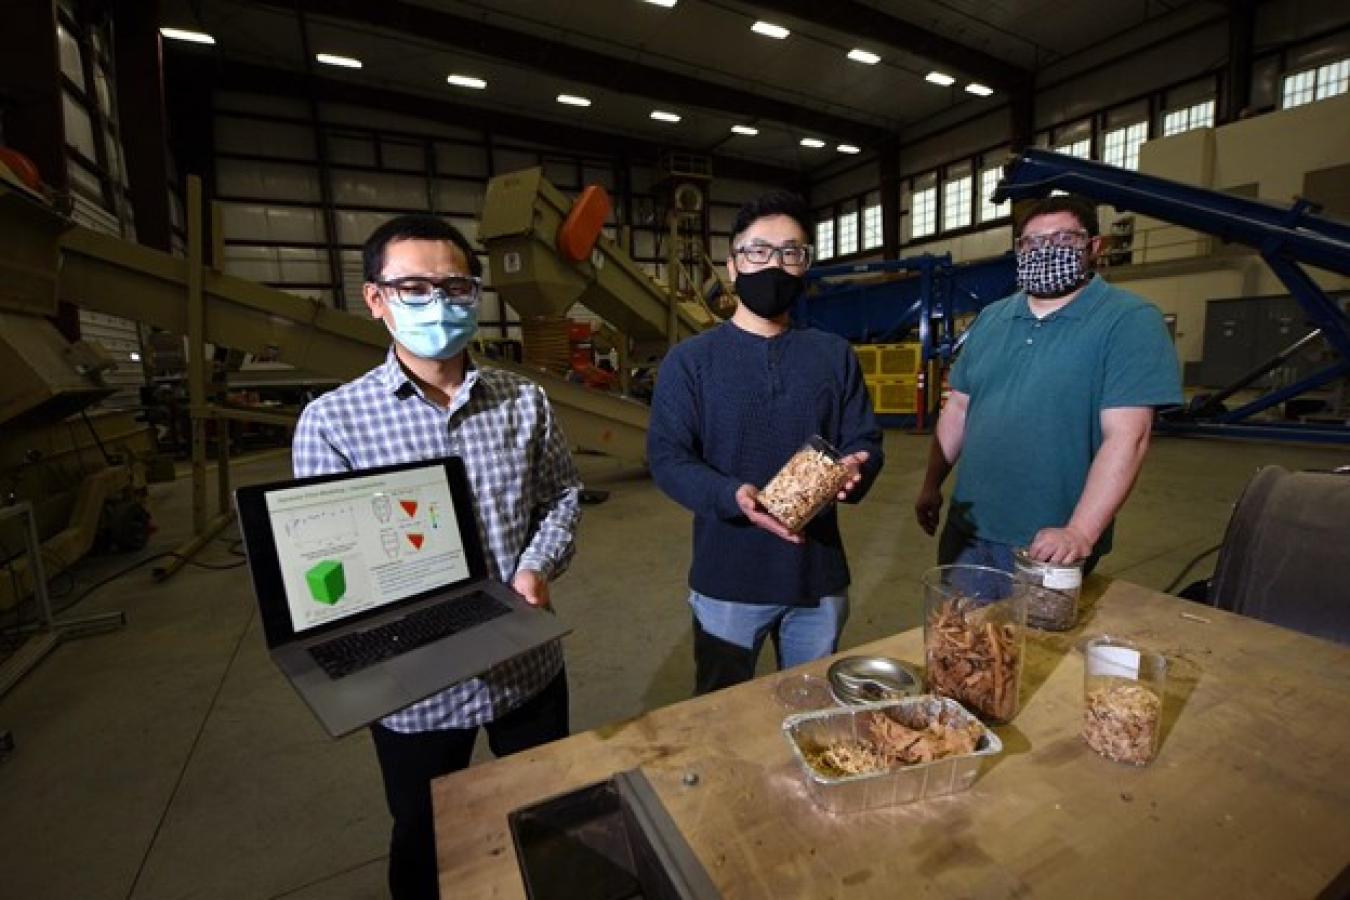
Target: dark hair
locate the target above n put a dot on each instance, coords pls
(413, 227)
(774, 203)
(1081, 209)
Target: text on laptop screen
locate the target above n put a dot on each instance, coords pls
(349, 546)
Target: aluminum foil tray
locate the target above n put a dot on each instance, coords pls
(811, 732)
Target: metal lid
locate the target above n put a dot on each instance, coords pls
(866, 679)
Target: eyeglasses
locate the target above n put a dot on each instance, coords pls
(763, 254)
(456, 290)
(1076, 238)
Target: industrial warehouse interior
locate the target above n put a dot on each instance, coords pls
(185, 188)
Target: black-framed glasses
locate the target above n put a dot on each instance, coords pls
(763, 254)
(1076, 238)
(456, 290)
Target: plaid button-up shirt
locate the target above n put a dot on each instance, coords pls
(526, 492)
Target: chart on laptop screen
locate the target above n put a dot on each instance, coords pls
(348, 546)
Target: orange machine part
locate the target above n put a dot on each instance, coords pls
(578, 232)
(22, 167)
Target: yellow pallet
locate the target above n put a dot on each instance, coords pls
(888, 360)
(893, 395)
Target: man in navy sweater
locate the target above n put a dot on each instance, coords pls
(731, 406)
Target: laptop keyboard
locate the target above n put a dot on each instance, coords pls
(356, 651)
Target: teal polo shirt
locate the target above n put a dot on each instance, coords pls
(1037, 388)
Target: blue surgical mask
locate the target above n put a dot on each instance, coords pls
(434, 331)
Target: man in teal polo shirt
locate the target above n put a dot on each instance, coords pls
(1051, 404)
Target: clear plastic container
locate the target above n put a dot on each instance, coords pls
(1124, 685)
(1054, 588)
(807, 483)
(974, 634)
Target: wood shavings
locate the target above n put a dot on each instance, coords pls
(891, 744)
(803, 487)
(1121, 721)
(974, 657)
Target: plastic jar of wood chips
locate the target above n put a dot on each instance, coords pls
(806, 484)
(974, 636)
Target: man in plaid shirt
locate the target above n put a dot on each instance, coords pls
(429, 400)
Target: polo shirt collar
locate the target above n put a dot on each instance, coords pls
(1093, 295)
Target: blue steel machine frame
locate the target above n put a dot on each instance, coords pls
(894, 300)
(1285, 237)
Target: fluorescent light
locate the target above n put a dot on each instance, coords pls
(812, 142)
(666, 3)
(573, 100)
(848, 148)
(466, 81)
(180, 34)
(331, 59)
(939, 78)
(864, 56)
(745, 130)
(978, 90)
(768, 29)
(662, 116)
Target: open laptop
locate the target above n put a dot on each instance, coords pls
(348, 569)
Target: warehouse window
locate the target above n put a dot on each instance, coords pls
(1315, 84)
(825, 239)
(923, 211)
(1081, 149)
(1201, 115)
(1121, 146)
(956, 203)
(989, 210)
(871, 222)
(847, 232)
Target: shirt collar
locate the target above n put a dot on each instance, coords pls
(396, 380)
(1080, 307)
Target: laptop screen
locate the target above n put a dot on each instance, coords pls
(325, 549)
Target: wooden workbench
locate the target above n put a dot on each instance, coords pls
(1249, 795)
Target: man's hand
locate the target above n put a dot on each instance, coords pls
(747, 498)
(928, 509)
(1060, 545)
(854, 461)
(533, 586)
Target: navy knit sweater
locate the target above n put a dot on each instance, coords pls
(730, 408)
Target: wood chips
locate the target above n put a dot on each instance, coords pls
(973, 656)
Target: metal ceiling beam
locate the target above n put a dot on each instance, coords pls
(598, 69)
(874, 26)
(275, 82)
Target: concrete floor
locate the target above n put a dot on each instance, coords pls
(168, 759)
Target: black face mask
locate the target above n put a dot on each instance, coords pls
(769, 292)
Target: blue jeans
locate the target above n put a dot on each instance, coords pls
(728, 636)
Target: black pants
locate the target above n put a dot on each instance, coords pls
(409, 762)
(718, 663)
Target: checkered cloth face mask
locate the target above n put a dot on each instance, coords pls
(1051, 271)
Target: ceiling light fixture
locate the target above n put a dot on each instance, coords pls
(864, 56)
(848, 148)
(181, 34)
(768, 29)
(745, 130)
(573, 100)
(666, 3)
(941, 79)
(662, 116)
(332, 59)
(978, 89)
(466, 81)
(813, 143)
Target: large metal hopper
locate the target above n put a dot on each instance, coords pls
(522, 213)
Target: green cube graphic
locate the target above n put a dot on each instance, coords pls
(327, 581)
